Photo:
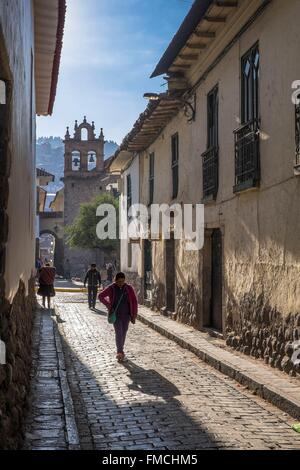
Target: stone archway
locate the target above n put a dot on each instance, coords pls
(58, 252)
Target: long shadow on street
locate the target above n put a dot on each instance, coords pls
(114, 410)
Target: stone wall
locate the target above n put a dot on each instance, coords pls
(15, 330)
(137, 283)
(188, 304)
(257, 329)
(158, 300)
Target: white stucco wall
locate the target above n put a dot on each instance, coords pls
(261, 228)
(133, 170)
(16, 19)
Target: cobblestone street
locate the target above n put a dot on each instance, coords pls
(162, 397)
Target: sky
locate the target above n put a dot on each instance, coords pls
(110, 49)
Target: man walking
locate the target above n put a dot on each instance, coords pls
(93, 279)
(109, 272)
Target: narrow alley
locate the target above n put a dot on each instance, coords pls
(150, 179)
(162, 397)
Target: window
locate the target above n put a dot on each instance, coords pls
(210, 163)
(250, 86)
(212, 118)
(84, 134)
(175, 159)
(247, 150)
(151, 178)
(129, 193)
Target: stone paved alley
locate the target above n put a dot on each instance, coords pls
(163, 397)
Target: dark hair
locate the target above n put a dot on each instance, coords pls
(120, 276)
(93, 265)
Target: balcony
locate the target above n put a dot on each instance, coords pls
(247, 156)
(210, 167)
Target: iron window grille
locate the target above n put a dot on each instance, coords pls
(175, 162)
(247, 156)
(210, 158)
(246, 138)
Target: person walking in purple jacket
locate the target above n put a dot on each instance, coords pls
(122, 296)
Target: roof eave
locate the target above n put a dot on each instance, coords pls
(120, 161)
(188, 26)
(48, 47)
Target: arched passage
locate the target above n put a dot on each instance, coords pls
(51, 247)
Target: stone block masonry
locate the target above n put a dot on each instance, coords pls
(261, 331)
(16, 321)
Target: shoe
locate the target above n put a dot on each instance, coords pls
(120, 357)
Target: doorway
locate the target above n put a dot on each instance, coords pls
(216, 279)
(147, 269)
(170, 274)
(212, 280)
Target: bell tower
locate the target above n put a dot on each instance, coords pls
(83, 174)
(84, 152)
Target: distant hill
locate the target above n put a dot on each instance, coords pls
(50, 156)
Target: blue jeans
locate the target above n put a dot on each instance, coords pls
(92, 295)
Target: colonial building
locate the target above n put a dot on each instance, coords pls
(30, 45)
(85, 176)
(126, 164)
(226, 134)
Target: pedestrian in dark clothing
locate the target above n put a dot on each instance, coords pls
(122, 295)
(109, 272)
(67, 270)
(93, 279)
(46, 281)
